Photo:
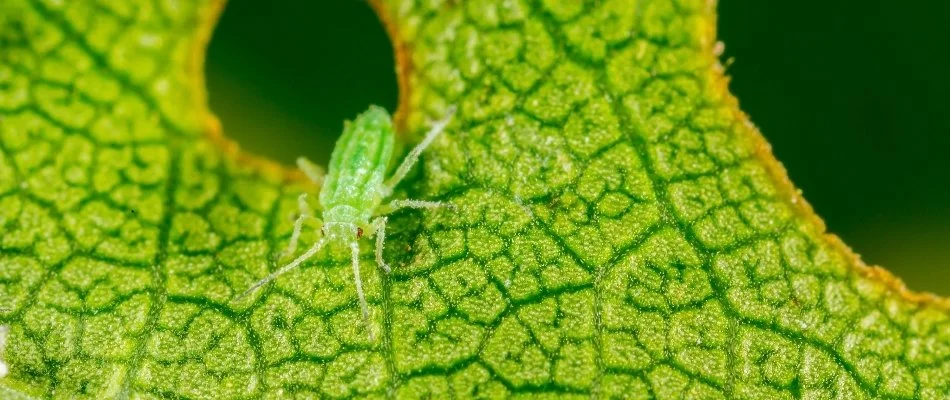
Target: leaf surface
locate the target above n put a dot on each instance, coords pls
(622, 229)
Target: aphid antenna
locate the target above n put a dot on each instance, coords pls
(413, 155)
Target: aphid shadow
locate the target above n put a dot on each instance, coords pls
(401, 233)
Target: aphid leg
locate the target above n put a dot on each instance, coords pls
(379, 229)
(305, 214)
(413, 155)
(355, 248)
(313, 171)
(4, 369)
(406, 203)
(293, 264)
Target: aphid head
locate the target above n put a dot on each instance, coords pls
(341, 213)
(340, 231)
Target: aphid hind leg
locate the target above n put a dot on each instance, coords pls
(408, 203)
(379, 229)
(413, 155)
(293, 264)
(313, 171)
(355, 250)
(305, 215)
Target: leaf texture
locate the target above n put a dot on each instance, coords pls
(622, 230)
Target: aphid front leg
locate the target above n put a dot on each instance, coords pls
(355, 249)
(313, 171)
(378, 227)
(413, 155)
(407, 203)
(305, 215)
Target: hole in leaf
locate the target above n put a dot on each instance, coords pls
(283, 76)
(855, 108)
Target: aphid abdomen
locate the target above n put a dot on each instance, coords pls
(358, 164)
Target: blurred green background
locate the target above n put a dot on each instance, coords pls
(853, 95)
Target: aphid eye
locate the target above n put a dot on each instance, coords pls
(359, 232)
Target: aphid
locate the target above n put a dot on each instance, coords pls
(353, 192)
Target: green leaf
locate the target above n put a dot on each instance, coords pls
(623, 230)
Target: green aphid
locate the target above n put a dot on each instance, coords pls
(353, 192)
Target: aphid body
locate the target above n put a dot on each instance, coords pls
(353, 192)
(353, 187)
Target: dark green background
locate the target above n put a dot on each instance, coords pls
(853, 95)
